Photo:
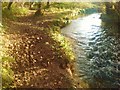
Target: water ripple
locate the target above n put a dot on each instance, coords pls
(99, 58)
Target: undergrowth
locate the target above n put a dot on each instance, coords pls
(13, 12)
(64, 45)
(6, 71)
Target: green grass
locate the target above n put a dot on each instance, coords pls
(6, 71)
(64, 45)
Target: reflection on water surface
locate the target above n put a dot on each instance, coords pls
(98, 50)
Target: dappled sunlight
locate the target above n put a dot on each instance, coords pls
(46, 45)
(35, 52)
(64, 44)
(6, 59)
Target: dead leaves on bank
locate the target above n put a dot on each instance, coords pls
(36, 60)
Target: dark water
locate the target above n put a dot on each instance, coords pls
(98, 50)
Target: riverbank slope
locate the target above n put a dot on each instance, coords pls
(37, 55)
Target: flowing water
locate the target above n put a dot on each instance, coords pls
(98, 50)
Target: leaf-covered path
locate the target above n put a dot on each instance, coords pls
(37, 62)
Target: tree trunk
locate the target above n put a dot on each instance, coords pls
(117, 7)
(22, 4)
(38, 12)
(31, 5)
(108, 7)
(9, 5)
(48, 4)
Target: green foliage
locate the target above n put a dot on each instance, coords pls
(90, 10)
(4, 4)
(72, 5)
(13, 12)
(7, 77)
(64, 45)
(7, 73)
(102, 8)
(7, 13)
(7, 59)
(61, 22)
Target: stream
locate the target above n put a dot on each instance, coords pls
(97, 47)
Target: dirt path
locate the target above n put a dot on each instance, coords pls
(37, 64)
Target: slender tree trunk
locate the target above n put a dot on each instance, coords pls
(22, 4)
(108, 7)
(9, 5)
(48, 3)
(38, 12)
(117, 7)
(31, 5)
